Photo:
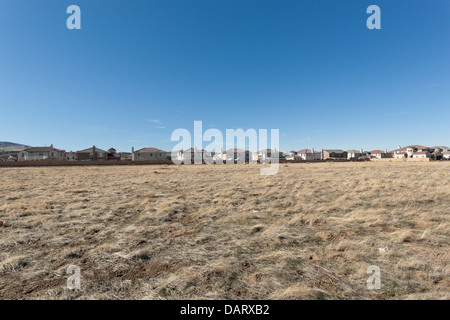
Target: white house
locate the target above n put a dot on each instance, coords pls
(413, 151)
(421, 155)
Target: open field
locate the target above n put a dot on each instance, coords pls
(226, 232)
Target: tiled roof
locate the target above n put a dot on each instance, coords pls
(236, 151)
(43, 149)
(90, 150)
(334, 150)
(417, 147)
(193, 150)
(149, 150)
(304, 151)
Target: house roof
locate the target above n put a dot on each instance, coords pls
(421, 152)
(193, 150)
(334, 150)
(150, 150)
(414, 146)
(417, 146)
(377, 151)
(235, 150)
(42, 149)
(353, 151)
(440, 147)
(304, 151)
(89, 150)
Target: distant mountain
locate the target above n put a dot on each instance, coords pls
(10, 146)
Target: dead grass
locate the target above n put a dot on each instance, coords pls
(226, 232)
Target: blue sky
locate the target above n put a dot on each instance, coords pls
(137, 70)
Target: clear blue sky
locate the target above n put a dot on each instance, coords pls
(137, 70)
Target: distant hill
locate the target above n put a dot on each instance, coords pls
(10, 146)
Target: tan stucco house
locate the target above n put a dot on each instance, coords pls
(41, 153)
(148, 154)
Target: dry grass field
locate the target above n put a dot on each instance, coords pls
(226, 232)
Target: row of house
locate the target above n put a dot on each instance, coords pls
(155, 154)
(52, 153)
(327, 154)
(230, 155)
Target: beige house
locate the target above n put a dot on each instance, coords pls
(92, 154)
(149, 154)
(41, 153)
(307, 154)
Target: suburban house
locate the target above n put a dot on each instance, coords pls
(232, 155)
(72, 156)
(414, 151)
(237, 155)
(307, 154)
(440, 148)
(41, 153)
(9, 156)
(93, 153)
(112, 154)
(292, 155)
(440, 153)
(149, 154)
(357, 154)
(421, 154)
(188, 155)
(267, 154)
(126, 156)
(333, 154)
(380, 154)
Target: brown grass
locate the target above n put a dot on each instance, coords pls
(226, 232)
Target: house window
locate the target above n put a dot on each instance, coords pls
(139, 154)
(41, 154)
(160, 155)
(23, 155)
(100, 154)
(151, 154)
